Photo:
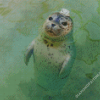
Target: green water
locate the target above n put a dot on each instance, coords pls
(20, 23)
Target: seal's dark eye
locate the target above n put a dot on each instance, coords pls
(64, 23)
(50, 18)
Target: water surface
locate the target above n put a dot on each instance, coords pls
(21, 22)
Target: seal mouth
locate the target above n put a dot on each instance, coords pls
(52, 32)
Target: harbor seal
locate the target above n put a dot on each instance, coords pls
(53, 52)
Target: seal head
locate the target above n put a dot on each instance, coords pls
(58, 25)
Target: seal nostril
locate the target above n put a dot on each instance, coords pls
(53, 25)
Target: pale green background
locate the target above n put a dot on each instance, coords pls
(20, 23)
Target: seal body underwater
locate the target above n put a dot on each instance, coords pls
(53, 52)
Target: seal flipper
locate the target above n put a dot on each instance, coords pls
(66, 67)
(29, 52)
